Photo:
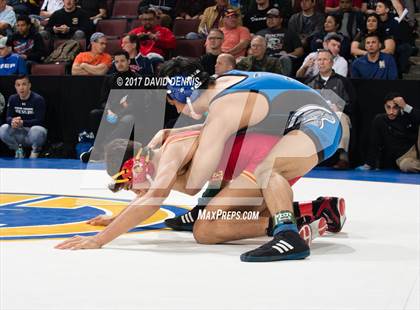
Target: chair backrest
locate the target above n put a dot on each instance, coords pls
(125, 8)
(48, 69)
(47, 44)
(112, 27)
(183, 26)
(113, 45)
(189, 48)
(109, 7)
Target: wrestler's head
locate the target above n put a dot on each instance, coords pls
(186, 82)
(130, 166)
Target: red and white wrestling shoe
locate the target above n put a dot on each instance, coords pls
(312, 230)
(333, 209)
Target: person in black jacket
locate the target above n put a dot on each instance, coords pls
(339, 91)
(394, 141)
(27, 42)
(115, 114)
(213, 45)
(96, 9)
(70, 22)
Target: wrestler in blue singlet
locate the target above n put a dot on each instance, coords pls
(293, 105)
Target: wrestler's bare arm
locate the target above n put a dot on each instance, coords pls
(142, 208)
(137, 211)
(160, 137)
(226, 116)
(180, 152)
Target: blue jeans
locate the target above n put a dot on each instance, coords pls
(33, 137)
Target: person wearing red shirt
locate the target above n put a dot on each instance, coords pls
(154, 38)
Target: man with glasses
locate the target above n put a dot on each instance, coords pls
(213, 17)
(259, 61)
(95, 61)
(213, 50)
(237, 37)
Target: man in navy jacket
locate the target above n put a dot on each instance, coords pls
(24, 119)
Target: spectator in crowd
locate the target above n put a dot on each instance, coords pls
(333, 6)
(24, 119)
(256, 17)
(332, 42)
(118, 116)
(369, 7)
(95, 61)
(280, 41)
(351, 21)
(400, 32)
(307, 22)
(25, 7)
(327, 79)
(10, 63)
(259, 61)
(96, 9)
(7, 19)
(214, 43)
(165, 6)
(224, 63)
(236, 37)
(375, 64)
(331, 25)
(191, 9)
(69, 22)
(27, 42)
(154, 38)
(49, 7)
(358, 44)
(213, 17)
(138, 63)
(394, 140)
(284, 6)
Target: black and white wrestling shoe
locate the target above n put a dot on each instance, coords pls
(286, 245)
(186, 221)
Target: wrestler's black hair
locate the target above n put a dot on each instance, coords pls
(113, 152)
(186, 67)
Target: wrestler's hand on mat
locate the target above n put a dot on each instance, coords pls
(159, 138)
(101, 220)
(78, 243)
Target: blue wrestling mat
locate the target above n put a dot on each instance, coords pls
(390, 176)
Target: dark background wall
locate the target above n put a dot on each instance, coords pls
(70, 99)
